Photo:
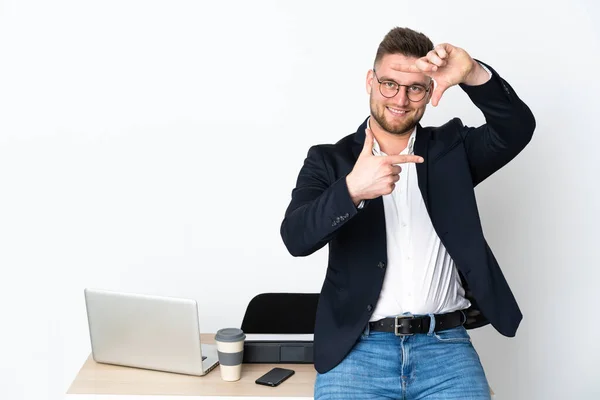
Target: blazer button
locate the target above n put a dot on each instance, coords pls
(381, 265)
(369, 308)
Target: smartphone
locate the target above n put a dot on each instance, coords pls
(275, 376)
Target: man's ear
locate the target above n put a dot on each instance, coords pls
(369, 82)
(431, 89)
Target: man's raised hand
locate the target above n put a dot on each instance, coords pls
(373, 176)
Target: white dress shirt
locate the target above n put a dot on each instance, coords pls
(421, 277)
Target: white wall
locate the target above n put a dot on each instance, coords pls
(152, 147)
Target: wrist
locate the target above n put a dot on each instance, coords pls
(354, 196)
(477, 76)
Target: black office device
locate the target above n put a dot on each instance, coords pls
(280, 315)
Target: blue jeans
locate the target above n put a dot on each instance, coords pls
(429, 366)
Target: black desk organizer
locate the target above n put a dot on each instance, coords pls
(280, 313)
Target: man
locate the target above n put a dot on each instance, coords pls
(409, 268)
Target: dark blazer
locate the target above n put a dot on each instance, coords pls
(457, 158)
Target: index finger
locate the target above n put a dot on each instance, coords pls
(404, 158)
(405, 67)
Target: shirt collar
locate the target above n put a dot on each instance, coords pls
(408, 150)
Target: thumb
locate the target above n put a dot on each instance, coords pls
(437, 94)
(367, 149)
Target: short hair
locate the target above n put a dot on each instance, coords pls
(404, 41)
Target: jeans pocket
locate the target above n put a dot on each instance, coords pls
(454, 335)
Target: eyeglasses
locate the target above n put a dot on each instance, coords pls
(389, 89)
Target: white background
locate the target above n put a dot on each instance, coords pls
(151, 147)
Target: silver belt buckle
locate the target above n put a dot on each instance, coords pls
(398, 325)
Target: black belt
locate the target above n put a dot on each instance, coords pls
(409, 325)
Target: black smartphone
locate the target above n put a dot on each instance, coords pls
(275, 376)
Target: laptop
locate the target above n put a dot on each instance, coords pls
(149, 332)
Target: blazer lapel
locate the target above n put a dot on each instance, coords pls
(421, 149)
(359, 139)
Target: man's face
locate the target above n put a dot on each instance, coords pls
(397, 115)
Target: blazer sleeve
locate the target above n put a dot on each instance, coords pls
(508, 129)
(318, 208)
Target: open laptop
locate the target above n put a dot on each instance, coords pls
(150, 332)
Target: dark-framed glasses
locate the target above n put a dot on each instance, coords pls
(389, 89)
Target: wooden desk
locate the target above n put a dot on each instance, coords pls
(103, 379)
(95, 378)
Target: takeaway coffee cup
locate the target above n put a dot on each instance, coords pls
(230, 346)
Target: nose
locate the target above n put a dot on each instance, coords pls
(402, 96)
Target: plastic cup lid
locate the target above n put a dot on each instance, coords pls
(230, 335)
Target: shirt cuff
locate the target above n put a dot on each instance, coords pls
(487, 69)
(361, 205)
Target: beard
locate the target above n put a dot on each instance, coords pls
(404, 126)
